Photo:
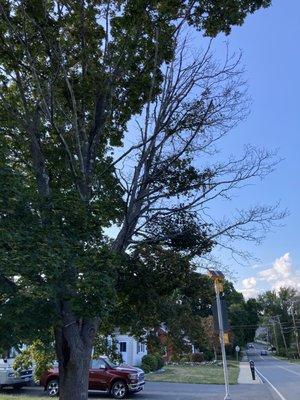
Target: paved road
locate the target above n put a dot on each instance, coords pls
(179, 391)
(283, 377)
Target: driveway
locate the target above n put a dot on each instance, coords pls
(179, 391)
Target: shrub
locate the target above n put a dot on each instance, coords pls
(146, 368)
(39, 354)
(197, 357)
(208, 355)
(160, 361)
(175, 358)
(151, 361)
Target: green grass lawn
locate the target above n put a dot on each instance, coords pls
(292, 360)
(208, 374)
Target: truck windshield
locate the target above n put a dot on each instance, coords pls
(110, 364)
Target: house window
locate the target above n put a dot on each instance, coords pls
(140, 347)
(123, 347)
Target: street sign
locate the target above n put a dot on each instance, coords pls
(237, 348)
(224, 311)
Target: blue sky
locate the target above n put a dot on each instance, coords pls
(269, 42)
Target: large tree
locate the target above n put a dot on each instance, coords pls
(73, 74)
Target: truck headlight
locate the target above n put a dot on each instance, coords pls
(133, 377)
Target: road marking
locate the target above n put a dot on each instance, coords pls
(272, 386)
(289, 370)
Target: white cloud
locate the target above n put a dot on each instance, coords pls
(249, 287)
(249, 283)
(281, 274)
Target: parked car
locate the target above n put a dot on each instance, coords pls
(11, 378)
(118, 381)
(264, 353)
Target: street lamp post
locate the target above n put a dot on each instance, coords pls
(218, 277)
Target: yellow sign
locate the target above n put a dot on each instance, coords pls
(226, 338)
(220, 285)
(218, 278)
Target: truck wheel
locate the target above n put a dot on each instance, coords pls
(119, 390)
(52, 388)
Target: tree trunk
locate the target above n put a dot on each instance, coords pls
(74, 377)
(74, 344)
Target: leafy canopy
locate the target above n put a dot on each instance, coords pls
(72, 75)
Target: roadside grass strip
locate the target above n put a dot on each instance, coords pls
(201, 374)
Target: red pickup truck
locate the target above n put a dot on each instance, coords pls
(118, 381)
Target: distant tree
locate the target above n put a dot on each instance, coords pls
(252, 310)
(243, 315)
(210, 339)
(275, 313)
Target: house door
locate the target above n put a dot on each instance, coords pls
(124, 350)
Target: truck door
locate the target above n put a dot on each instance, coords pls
(98, 376)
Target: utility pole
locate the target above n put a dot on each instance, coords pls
(218, 277)
(275, 335)
(283, 337)
(295, 328)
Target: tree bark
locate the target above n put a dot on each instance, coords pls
(74, 377)
(74, 344)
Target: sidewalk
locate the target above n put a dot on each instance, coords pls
(245, 374)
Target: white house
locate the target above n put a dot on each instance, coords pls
(132, 351)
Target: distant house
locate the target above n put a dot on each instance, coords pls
(132, 350)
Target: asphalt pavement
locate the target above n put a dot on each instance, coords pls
(282, 377)
(176, 391)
